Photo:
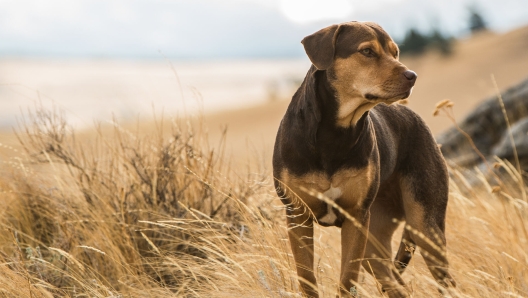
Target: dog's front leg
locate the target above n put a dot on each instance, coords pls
(354, 235)
(300, 232)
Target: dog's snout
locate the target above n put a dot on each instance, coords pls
(410, 75)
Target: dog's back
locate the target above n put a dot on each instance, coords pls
(398, 128)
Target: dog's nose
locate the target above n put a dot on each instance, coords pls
(410, 75)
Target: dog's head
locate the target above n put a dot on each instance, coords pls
(362, 62)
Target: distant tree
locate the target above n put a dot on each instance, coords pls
(440, 42)
(476, 21)
(414, 42)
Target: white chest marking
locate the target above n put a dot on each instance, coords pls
(332, 193)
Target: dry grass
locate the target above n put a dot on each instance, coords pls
(125, 215)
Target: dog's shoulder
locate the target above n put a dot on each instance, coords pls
(399, 118)
(398, 126)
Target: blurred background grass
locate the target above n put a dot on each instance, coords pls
(100, 60)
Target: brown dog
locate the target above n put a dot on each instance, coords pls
(377, 163)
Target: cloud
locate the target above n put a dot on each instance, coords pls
(308, 11)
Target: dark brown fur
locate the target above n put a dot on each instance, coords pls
(379, 163)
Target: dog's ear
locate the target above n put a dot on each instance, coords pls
(307, 110)
(320, 46)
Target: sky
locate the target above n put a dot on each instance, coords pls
(219, 29)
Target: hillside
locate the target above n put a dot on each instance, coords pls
(464, 78)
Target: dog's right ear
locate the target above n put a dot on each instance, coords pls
(320, 46)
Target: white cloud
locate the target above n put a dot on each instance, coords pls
(307, 11)
(368, 6)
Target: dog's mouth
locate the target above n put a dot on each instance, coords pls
(403, 95)
(370, 96)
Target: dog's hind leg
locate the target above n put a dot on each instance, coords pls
(425, 217)
(378, 252)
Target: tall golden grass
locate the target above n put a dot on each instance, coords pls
(121, 214)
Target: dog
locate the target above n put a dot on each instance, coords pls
(347, 155)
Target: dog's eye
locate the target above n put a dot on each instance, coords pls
(367, 52)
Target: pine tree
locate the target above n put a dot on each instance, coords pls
(476, 21)
(414, 42)
(438, 41)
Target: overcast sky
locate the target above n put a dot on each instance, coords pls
(214, 29)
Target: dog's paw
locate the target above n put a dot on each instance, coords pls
(354, 292)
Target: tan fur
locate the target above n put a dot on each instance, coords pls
(414, 212)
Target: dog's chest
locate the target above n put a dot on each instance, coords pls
(347, 188)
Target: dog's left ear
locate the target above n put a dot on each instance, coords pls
(320, 46)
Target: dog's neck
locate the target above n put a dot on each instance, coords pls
(314, 114)
(344, 112)
(351, 111)
(310, 138)
(351, 106)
